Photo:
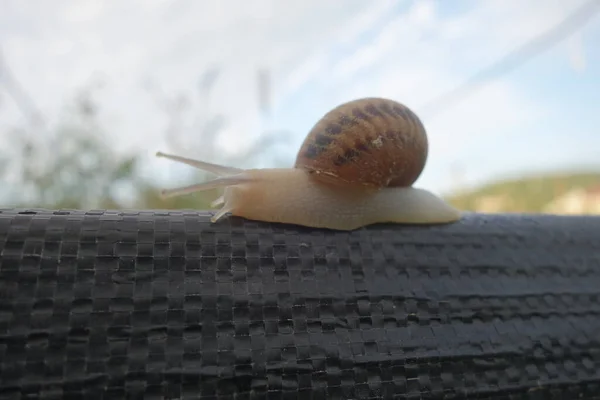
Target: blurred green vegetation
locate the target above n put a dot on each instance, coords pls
(73, 165)
(526, 194)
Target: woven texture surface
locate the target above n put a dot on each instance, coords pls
(166, 305)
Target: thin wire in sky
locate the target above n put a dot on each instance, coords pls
(21, 98)
(514, 59)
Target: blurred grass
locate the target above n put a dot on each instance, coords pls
(74, 166)
(526, 194)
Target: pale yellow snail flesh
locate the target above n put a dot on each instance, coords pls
(355, 168)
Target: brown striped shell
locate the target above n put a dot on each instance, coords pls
(371, 141)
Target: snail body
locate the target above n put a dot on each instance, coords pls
(356, 167)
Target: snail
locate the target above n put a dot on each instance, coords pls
(356, 167)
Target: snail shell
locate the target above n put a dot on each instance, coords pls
(372, 142)
(367, 143)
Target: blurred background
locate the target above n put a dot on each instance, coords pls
(508, 90)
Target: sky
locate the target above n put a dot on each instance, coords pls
(542, 116)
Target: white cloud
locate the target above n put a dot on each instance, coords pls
(577, 52)
(83, 11)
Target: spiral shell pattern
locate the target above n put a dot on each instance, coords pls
(372, 141)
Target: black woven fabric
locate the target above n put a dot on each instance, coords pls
(166, 305)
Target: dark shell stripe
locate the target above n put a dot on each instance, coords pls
(374, 110)
(385, 131)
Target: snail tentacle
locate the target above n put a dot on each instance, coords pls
(220, 170)
(228, 177)
(212, 184)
